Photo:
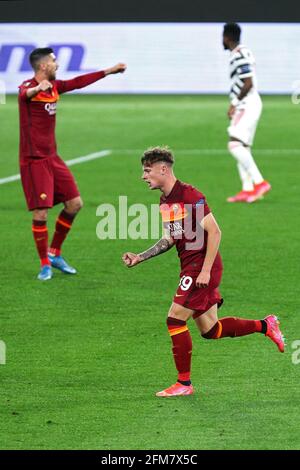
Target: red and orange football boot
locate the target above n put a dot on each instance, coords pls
(259, 191)
(262, 188)
(176, 390)
(242, 196)
(273, 331)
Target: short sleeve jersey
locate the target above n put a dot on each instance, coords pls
(242, 65)
(37, 114)
(182, 211)
(37, 121)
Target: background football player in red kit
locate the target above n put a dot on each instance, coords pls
(198, 293)
(45, 177)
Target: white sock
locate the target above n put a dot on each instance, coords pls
(247, 184)
(243, 156)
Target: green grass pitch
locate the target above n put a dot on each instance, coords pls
(86, 354)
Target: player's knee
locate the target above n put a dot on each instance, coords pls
(40, 214)
(74, 206)
(79, 204)
(213, 333)
(175, 325)
(233, 145)
(174, 321)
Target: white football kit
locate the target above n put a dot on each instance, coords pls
(244, 121)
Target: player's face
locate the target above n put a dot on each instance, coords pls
(50, 66)
(225, 42)
(153, 175)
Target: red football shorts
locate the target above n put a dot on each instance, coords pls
(199, 299)
(47, 182)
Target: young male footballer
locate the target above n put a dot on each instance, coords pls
(244, 113)
(192, 228)
(45, 177)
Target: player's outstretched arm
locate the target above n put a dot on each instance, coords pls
(163, 245)
(87, 79)
(119, 68)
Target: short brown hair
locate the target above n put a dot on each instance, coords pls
(157, 154)
(37, 54)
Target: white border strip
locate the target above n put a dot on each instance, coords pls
(74, 161)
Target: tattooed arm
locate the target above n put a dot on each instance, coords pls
(163, 245)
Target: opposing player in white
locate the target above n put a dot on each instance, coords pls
(244, 113)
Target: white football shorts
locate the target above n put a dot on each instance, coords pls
(245, 119)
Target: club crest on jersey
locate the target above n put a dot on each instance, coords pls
(51, 108)
(173, 212)
(43, 196)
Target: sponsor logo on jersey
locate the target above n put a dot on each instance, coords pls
(51, 108)
(175, 229)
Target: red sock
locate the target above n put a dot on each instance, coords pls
(63, 224)
(232, 326)
(40, 235)
(182, 347)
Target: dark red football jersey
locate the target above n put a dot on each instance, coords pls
(37, 122)
(182, 211)
(37, 115)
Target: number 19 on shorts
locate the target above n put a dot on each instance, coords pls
(185, 282)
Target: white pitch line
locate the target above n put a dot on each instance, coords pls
(9, 179)
(74, 161)
(87, 158)
(104, 153)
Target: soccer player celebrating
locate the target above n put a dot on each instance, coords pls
(190, 225)
(45, 177)
(244, 113)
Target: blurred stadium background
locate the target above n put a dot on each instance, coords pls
(86, 354)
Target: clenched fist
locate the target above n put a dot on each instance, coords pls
(119, 68)
(44, 85)
(131, 259)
